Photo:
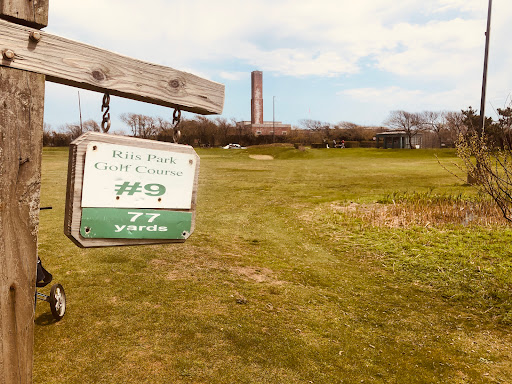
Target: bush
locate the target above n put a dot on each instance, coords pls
(56, 139)
(352, 144)
(318, 145)
(368, 144)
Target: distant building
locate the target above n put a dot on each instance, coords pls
(257, 125)
(266, 128)
(398, 140)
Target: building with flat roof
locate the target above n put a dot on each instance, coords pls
(398, 140)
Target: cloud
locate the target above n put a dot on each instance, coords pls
(298, 62)
(235, 76)
(413, 100)
(295, 38)
(299, 38)
(473, 6)
(436, 49)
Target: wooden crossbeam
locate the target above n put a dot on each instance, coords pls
(80, 65)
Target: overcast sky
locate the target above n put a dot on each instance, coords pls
(329, 60)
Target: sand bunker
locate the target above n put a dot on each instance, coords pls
(261, 157)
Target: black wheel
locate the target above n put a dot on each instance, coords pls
(57, 301)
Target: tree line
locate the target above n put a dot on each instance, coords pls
(210, 132)
(438, 129)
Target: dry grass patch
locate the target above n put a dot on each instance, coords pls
(406, 214)
(256, 274)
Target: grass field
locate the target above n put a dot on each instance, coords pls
(319, 266)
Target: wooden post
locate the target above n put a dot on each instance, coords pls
(21, 133)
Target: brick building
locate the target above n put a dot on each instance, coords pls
(257, 125)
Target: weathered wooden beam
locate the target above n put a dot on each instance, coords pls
(33, 13)
(79, 65)
(21, 132)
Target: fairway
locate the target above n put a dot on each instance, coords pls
(291, 276)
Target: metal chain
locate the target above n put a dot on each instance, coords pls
(176, 120)
(105, 124)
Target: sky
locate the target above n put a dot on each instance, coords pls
(327, 60)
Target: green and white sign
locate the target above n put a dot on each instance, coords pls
(130, 191)
(126, 177)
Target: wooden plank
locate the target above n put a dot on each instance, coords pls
(73, 211)
(79, 65)
(33, 13)
(21, 128)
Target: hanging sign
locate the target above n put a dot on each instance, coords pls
(128, 191)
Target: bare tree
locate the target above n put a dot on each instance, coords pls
(165, 130)
(434, 122)
(47, 134)
(91, 126)
(347, 125)
(72, 130)
(352, 132)
(223, 129)
(324, 129)
(162, 124)
(141, 126)
(455, 125)
(487, 156)
(408, 122)
(206, 130)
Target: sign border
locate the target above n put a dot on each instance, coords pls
(76, 164)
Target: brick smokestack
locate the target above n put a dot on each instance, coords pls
(257, 97)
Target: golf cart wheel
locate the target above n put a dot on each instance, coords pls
(57, 301)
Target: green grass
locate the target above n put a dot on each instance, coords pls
(279, 285)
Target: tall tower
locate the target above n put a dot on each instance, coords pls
(257, 97)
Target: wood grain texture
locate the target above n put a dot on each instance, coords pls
(79, 65)
(33, 13)
(73, 210)
(21, 131)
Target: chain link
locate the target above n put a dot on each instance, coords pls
(105, 124)
(176, 120)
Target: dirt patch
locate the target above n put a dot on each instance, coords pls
(261, 157)
(192, 270)
(158, 262)
(197, 269)
(259, 275)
